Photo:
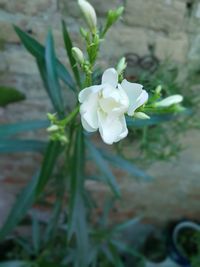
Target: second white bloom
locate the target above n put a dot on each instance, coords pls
(104, 106)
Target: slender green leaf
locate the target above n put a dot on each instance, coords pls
(154, 120)
(68, 47)
(34, 188)
(52, 77)
(15, 146)
(125, 165)
(36, 234)
(38, 51)
(126, 224)
(14, 264)
(22, 204)
(52, 152)
(8, 130)
(10, 95)
(103, 167)
(77, 216)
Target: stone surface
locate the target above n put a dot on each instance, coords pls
(175, 47)
(156, 14)
(70, 7)
(29, 7)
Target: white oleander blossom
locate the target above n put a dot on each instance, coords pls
(103, 107)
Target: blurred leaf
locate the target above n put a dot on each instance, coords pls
(10, 95)
(22, 204)
(77, 216)
(34, 188)
(52, 77)
(15, 146)
(125, 165)
(36, 234)
(44, 263)
(14, 264)
(126, 224)
(51, 155)
(154, 120)
(38, 51)
(103, 167)
(68, 47)
(7, 130)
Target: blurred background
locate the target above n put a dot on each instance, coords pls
(161, 41)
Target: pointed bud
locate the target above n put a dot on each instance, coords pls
(112, 17)
(169, 101)
(158, 89)
(52, 128)
(121, 66)
(89, 13)
(141, 116)
(78, 55)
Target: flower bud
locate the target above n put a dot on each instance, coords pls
(78, 55)
(52, 128)
(89, 13)
(158, 89)
(121, 66)
(169, 101)
(141, 116)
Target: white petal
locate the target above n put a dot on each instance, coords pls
(137, 96)
(86, 126)
(112, 128)
(110, 76)
(83, 95)
(88, 111)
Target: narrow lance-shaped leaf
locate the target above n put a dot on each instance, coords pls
(68, 47)
(77, 215)
(38, 51)
(52, 77)
(103, 167)
(22, 204)
(34, 188)
(8, 130)
(14, 264)
(125, 165)
(15, 146)
(51, 155)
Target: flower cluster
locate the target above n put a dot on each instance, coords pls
(104, 106)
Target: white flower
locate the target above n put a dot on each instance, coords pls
(89, 13)
(104, 106)
(171, 100)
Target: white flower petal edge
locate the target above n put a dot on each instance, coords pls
(104, 106)
(110, 76)
(137, 96)
(112, 129)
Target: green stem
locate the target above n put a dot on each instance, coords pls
(72, 115)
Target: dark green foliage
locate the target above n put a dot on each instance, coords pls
(10, 95)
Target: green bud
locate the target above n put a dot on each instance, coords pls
(78, 55)
(158, 89)
(52, 128)
(112, 17)
(89, 14)
(121, 66)
(141, 116)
